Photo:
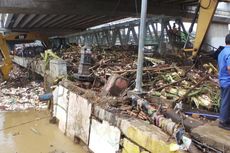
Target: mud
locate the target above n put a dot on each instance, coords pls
(31, 132)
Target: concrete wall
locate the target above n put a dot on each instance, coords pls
(216, 34)
(103, 131)
(36, 65)
(55, 69)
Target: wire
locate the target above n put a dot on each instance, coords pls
(206, 6)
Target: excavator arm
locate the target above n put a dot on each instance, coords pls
(206, 10)
(6, 64)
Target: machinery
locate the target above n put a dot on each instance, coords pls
(5, 59)
(85, 64)
(58, 43)
(204, 14)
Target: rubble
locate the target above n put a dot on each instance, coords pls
(162, 77)
(19, 93)
(115, 86)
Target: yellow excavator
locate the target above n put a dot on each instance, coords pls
(204, 15)
(5, 60)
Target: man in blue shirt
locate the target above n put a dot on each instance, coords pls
(224, 79)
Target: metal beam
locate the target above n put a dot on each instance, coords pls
(37, 19)
(28, 19)
(8, 20)
(45, 31)
(58, 18)
(124, 34)
(60, 22)
(88, 21)
(76, 21)
(18, 20)
(45, 20)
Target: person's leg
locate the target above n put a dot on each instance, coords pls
(225, 107)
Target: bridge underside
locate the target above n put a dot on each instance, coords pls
(69, 16)
(56, 17)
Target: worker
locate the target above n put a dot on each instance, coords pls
(174, 28)
(224, 80)
(175, 33)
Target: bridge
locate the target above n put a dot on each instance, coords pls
(59, 17)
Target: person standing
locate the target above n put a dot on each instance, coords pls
(224, 80)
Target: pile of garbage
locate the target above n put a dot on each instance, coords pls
(72, 57)
(19, 93)
(166, 79)
(28, 49)
(198, 88)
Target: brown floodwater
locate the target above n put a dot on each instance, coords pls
(31, 132)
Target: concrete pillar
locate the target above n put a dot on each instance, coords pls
(216, 34)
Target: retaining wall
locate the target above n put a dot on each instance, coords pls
(54, 69)
(101, 130)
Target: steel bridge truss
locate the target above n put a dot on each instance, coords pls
(161, 33)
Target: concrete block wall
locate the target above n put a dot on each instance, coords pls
(103, 131)
(57, 68)
(104, 137)
(73, 113)
(36, 65)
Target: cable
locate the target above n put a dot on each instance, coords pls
(206, 6)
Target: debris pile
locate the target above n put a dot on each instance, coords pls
(192, 87)
(28, 49)
(166, 79)
(19, 93)
(72, 57)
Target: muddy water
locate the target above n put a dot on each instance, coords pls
(31, 132)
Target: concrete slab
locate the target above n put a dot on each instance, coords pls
(37, 66)
(72, 115)
(63, 98)
(62, 108)
(147, 136)
(58, 68)
(79, 117)
(213, 136)
(104, 138)
(216, 34)
(20, 61)
(55, 100)
(103, 114)
(129, 147)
